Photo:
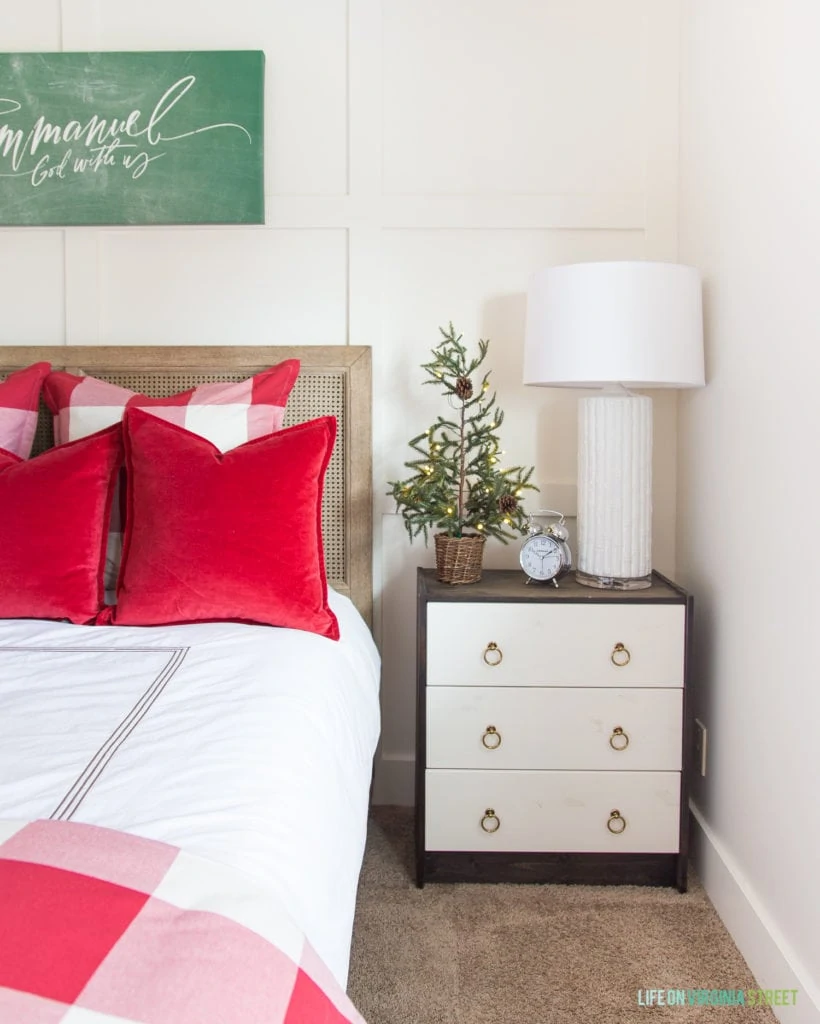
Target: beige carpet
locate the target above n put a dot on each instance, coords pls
(525, 954)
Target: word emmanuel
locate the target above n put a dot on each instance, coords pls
(98, 138)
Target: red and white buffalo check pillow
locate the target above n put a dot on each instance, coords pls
(19, 403)
(101, 927)
(226, 414)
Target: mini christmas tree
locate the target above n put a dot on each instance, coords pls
(458, 485)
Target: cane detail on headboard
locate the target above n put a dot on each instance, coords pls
(334, 380)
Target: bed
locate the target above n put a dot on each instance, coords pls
(247, 748)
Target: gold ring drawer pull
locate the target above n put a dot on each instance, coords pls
(616, 824)
(491, 738)
(490, 823)
(619, 740)
(620, 656)
(492, 654)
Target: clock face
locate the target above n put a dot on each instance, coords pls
(541, 557)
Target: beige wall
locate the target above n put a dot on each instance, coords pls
(423, 157)
(748, 471)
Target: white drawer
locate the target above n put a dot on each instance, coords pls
(559, 812)
(555, 644)
(554, 727)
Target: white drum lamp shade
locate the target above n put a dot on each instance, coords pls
(615, 326)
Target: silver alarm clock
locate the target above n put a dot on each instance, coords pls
(545, 555)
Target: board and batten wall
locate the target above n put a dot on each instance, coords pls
(423, 158)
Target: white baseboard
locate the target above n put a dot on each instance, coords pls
(395, 780)
(763, 947)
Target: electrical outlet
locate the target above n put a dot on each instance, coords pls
(700, 739)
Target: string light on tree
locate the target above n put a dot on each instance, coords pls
(457, 485)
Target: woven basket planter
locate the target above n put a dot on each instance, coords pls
(458, 559)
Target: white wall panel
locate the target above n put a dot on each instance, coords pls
(478, 279)
(305, 73)
(223, 287)
(398, 639)
(31, 288)
(34, 25)
(523, 97)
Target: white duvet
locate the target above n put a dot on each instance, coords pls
(246, 744)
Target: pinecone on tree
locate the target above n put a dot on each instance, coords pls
(507, 504)
(456, 484)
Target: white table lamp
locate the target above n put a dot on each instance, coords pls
(615, 326)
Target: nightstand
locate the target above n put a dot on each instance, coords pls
(551, 732)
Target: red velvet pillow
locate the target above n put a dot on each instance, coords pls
(213, 536)
(54, 513)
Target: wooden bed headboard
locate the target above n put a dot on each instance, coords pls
(334, 380)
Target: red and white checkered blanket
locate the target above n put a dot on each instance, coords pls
(101, 927)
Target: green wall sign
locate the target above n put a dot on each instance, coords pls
(132, 138)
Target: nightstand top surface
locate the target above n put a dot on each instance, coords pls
(511, 585)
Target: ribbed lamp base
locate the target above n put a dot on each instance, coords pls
(615, 491)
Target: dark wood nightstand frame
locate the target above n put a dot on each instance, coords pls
(510, 586)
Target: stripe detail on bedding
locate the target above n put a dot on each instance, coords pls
(86, 780)
(96, 766)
